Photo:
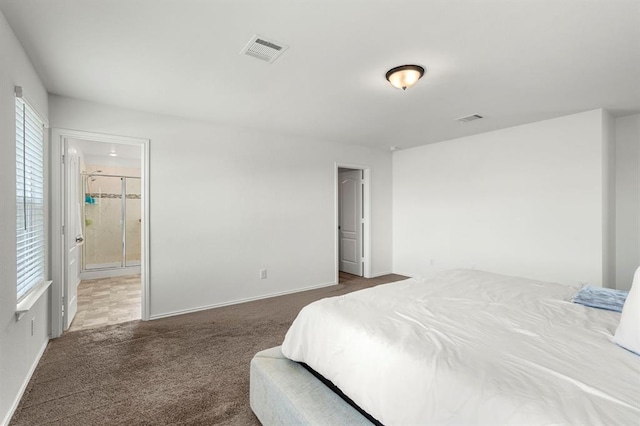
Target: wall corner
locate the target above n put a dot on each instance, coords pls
(608, 200)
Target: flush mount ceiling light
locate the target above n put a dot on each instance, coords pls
(405, 76)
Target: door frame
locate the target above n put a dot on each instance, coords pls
(58, 140)
(366, 213)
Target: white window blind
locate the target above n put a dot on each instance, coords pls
(30, 205)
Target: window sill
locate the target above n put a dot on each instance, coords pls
(31, 298)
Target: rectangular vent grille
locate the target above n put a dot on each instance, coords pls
(469, 118)
(264, 49)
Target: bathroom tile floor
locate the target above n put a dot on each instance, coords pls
(107, 301)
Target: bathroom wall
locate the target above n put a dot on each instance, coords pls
(103, 215)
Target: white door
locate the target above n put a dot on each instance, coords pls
(350, 221)
(73, 233)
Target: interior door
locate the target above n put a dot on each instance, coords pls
(73, 233)
(350, 221)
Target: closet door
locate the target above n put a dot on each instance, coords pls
(350, 221)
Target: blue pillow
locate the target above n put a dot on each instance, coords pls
(601, 298)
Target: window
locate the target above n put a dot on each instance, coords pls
(30, 203)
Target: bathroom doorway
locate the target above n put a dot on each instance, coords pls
(104, 217)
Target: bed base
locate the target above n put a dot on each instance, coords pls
(282, 392)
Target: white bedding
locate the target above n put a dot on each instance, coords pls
(471, 347)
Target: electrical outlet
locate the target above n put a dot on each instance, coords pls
(263, 274)
(33, 326)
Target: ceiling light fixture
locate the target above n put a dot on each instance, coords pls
(405, 76)
(113, 153)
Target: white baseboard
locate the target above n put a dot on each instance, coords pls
(235, 302)
(16, 401)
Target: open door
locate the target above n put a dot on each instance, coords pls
(350, 221)
(73, 237)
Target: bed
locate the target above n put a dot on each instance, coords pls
(464, 347)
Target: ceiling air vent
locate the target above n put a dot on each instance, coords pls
(264, 48)
(469, 118)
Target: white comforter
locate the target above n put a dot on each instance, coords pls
(470, 347)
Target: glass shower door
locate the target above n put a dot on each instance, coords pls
(103, 227)
(133, 220)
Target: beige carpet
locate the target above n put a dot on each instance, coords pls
(189, 369)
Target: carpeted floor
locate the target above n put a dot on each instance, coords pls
(188, 369)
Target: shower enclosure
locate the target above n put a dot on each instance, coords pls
(112, 222)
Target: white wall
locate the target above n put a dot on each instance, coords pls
(526, 200)
(627, 199)
(226, 202)
(19, 350)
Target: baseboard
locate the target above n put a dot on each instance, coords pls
(235, 302)
(13, 407)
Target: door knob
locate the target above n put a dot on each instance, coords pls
(79, 240)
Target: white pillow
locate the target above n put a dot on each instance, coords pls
(628, 331)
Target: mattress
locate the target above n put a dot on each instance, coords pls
(470, 347)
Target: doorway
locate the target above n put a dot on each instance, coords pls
(100, 257)
(352, 222)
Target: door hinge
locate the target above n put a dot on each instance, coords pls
(62, 229)
(62, 158)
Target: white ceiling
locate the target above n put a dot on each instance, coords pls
(512, 61)
(103, 149)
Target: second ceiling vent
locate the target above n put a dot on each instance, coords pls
(264, 49)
